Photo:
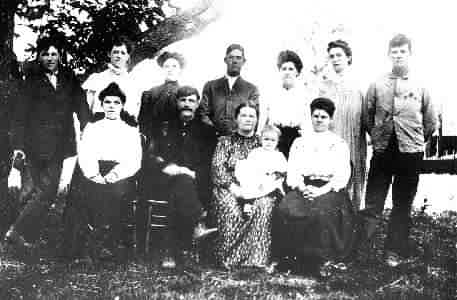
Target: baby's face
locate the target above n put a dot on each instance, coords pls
(269, 140)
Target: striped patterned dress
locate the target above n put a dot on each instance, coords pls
(348, 124)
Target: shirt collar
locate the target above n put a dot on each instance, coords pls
(51, 73)
(231, 80)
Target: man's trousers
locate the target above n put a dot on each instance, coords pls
(402, 171)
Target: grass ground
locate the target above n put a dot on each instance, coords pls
(431, 274)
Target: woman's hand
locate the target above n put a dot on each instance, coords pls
(236, 190)
(98, 179)
(111, 177)
(248, 209)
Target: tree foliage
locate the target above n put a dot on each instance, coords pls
(88, 26)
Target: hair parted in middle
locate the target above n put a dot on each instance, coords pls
(112, 89)
(167, 55)
(248, 103)
(343, 45)
(290, 56)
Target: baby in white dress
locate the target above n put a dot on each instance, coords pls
(263, 171)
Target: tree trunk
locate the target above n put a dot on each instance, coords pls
(7, 57)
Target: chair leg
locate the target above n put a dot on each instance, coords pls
(148, 231)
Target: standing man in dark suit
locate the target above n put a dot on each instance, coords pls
(220, 97)
(42, 131)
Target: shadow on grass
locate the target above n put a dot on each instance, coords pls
(430, 274)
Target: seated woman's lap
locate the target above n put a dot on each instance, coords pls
(324, 228)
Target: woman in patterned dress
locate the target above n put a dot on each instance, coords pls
(241, 241)
(347, 122)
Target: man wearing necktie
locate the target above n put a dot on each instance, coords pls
(42, 132)
(400, 119)
(220, 97)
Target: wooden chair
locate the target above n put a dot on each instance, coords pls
(156, 219)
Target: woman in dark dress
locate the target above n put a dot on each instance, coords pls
(109, 156)
(316, 218)
(158, 105)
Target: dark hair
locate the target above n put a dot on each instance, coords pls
(122, 40)
(324, 104)
(400, 40)
(234, 47)
(44, 43)
(187, 90)
(343, 45)
(248, 103)
(290, 56)
(175, 55)
(112, 89)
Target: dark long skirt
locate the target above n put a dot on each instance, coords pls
(288, 135)
(96, 215)
(323, 227)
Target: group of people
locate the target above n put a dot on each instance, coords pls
(272, 177)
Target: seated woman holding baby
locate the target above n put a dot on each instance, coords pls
(245, 191)
(315, 220)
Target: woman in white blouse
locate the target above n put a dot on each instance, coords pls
(316, 217)
(287, 105)
(109, 156)
(117, 71)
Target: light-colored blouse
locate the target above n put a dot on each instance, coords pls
(289, 107)
(110, 140)
(319, 153)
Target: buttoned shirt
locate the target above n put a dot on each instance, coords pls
(399, 105)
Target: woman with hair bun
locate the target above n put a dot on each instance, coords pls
(288, 104)
(117, 71)
(315, 220)
(109, 156)
(347, 122)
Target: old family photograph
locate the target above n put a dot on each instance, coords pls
(211, 149)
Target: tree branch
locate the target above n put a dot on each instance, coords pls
(183, 25)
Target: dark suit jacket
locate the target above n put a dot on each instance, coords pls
(218, 104)
(188, 145)
(42, 119)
